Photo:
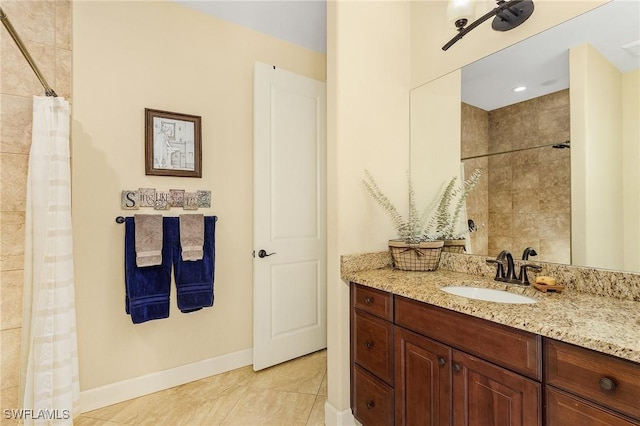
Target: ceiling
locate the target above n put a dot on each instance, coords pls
(541, 63)
(301, 22)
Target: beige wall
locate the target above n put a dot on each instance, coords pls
(129, 56)
(45, 28)
(606, 196)
(368, 128)
(435, 149)
(596, 160)
(631, 171)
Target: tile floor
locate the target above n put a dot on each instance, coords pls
(292, 393)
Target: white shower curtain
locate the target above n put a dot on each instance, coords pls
(49, 385)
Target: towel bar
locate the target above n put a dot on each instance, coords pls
(120, 219)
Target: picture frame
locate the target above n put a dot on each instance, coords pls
(173, 144)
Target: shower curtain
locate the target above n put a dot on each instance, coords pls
(49, 385)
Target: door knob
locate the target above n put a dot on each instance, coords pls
(263, 253)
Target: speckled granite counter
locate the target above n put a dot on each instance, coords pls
(606, 324)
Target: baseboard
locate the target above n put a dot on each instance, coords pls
(333, 417)
(114, 393)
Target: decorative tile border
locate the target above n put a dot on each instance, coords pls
(164, 200)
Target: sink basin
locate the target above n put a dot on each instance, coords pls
(488, 294)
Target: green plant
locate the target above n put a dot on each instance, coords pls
(411, 228)
(444, 219)
(441, 224)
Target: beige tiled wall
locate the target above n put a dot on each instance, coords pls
(474, 142)
(529, 191)
(45, 29)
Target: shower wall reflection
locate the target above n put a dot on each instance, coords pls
(524, 197)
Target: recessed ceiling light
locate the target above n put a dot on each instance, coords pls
(519, 88)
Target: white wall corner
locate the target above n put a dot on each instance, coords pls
(114, 393)
(333, 417)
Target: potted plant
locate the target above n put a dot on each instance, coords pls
(446, 218)
(416, 249)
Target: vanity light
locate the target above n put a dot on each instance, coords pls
(520, 89)
(506, 16)
(459, 12)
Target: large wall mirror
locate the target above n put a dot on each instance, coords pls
(560, 160)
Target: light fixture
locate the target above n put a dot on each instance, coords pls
(520, 89)
(506, 16)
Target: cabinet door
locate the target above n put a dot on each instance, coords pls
(566, 410)
(423, 377)
(487, 395)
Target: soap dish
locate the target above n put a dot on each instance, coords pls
(546, 288)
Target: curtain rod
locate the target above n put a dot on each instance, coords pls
(14, 35)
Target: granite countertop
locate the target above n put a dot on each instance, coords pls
(605, 324)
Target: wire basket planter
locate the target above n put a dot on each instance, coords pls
(422, 256)
(454, 246)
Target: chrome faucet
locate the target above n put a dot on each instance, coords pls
(509, 276)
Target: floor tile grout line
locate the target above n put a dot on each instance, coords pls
(311, 411)
(234, 406)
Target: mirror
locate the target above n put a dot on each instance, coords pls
(559, 160)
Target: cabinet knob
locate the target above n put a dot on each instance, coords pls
(370, 405)
(368, 300)
(607, 385)
(369, 344)
(456, 368)
(441, 360)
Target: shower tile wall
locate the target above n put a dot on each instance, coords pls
(529, 191)
(45, 28)
(475, 141)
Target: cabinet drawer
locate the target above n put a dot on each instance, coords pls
(590, 374)
(373, 301)
(566, 410)
(373, 399)
(373, 345)
(511, 348)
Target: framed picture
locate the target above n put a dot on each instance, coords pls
(173, 144)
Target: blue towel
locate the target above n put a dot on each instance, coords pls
(194, 279)
(147, 288)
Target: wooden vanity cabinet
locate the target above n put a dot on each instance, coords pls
(587, 387)
(443, 376)
(441, 370)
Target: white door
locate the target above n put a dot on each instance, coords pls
(289, 216)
